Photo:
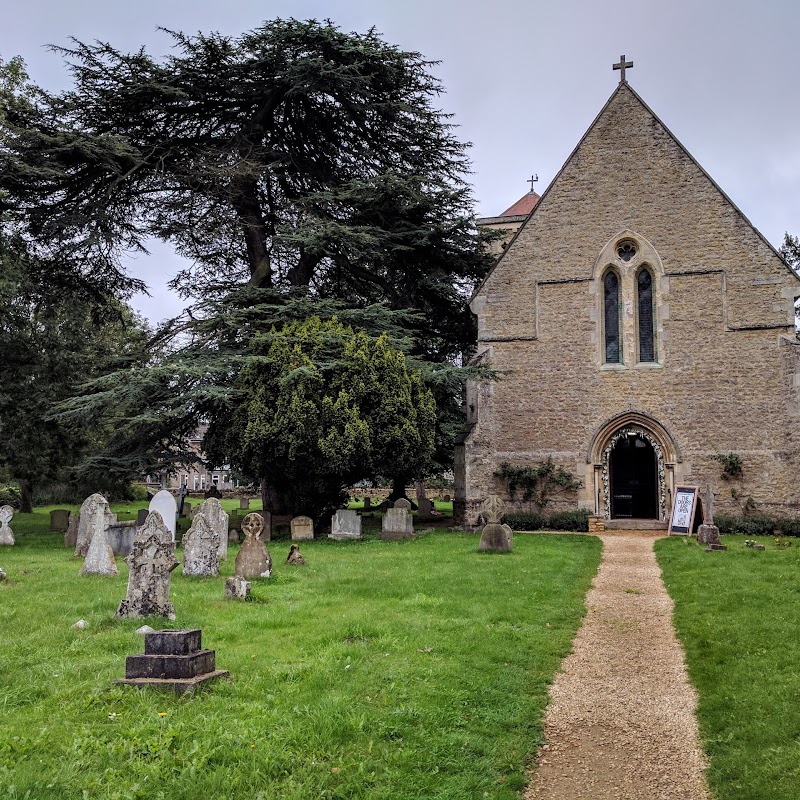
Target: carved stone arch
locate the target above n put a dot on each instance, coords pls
(645, 254)
(637, 424)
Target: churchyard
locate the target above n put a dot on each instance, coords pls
(400, 669)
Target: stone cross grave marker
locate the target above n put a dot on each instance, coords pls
(218, 520)
(151, 562)
(201, 549)
(6, 534)
(345, 524)
(253, 560)
(302, 529)
(164, 503)
(494, 537)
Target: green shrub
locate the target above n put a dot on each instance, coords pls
(525, 520)
(790, 526)
(577, 520)
(750, 525)
(9, 495)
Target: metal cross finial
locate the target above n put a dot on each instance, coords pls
(621, 67)
(533, 179)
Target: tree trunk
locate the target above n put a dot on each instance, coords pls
(26, 496)
(399, 490)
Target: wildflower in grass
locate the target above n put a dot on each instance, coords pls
(162, 713)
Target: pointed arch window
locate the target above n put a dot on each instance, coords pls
(612, 329)
(646, 317)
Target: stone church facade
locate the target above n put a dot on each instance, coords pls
(640, 325)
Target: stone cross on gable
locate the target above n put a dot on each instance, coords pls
(533, 179)
(621, 67)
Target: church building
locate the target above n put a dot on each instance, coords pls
(642, 330)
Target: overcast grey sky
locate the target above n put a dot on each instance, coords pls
(524, 79)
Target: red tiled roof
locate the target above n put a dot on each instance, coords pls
(523, 206)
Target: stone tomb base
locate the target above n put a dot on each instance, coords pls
(172, 659)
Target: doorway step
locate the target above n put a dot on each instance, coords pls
(636, 525)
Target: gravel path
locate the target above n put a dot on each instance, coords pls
(621, 719)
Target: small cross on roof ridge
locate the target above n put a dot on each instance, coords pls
(621, 67)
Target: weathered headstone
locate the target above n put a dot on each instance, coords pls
(90, 520)
(167, 507)
(172, 659)
(244, 503)
(218, 520)
(6, 534)
(150, 562)
(121, 536)
(186, 510)
(509, 534)
(233, 536)
(71, 535)
(201, 549)
(493, 536)
(295, 557)
(345, 524)
(424, 508)
(302, 529)
(266, 533)
(397, 522)
(99, 557)
(367, 503)
(59, 519)
(253, 560)
(141, 516)
(237, 588)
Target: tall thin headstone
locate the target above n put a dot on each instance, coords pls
(89, 521)
(218, 520)
(6, 534)
(151, 562)
(99, 557)
(71, 535)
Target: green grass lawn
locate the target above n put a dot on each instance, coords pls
(738, 616)
(381, 670)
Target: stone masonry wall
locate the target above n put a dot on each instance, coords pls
(727, 377)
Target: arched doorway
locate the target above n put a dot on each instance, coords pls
(633, 477)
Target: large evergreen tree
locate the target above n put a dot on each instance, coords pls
(300, 169)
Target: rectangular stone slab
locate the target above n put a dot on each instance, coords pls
(172, 643)
(179, 686)
(170, 667)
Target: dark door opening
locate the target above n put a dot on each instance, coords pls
(633, 476)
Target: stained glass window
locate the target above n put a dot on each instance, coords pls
(611, 319)
(644, 288)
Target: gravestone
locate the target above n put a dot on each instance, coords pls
(59, 519)
(172, 659)
(164, 503)
(266, 533)
(302, 529)
(708, 532)
(141, 516)
(253, 560)
(180, 499)
(295, 557)
(367, 503)
(121, 536)
(218, 520)
(6, 534)
(493, 536)
(244, 503)
(71, 535)
(237, 588)
(201, 549)
(91, 520)
(212, 491)
(509, 534)
(233, 536)
(186, 509)
(150, 563)
(424, 508)
(99, 557)
(345, 524)
(397, 522)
